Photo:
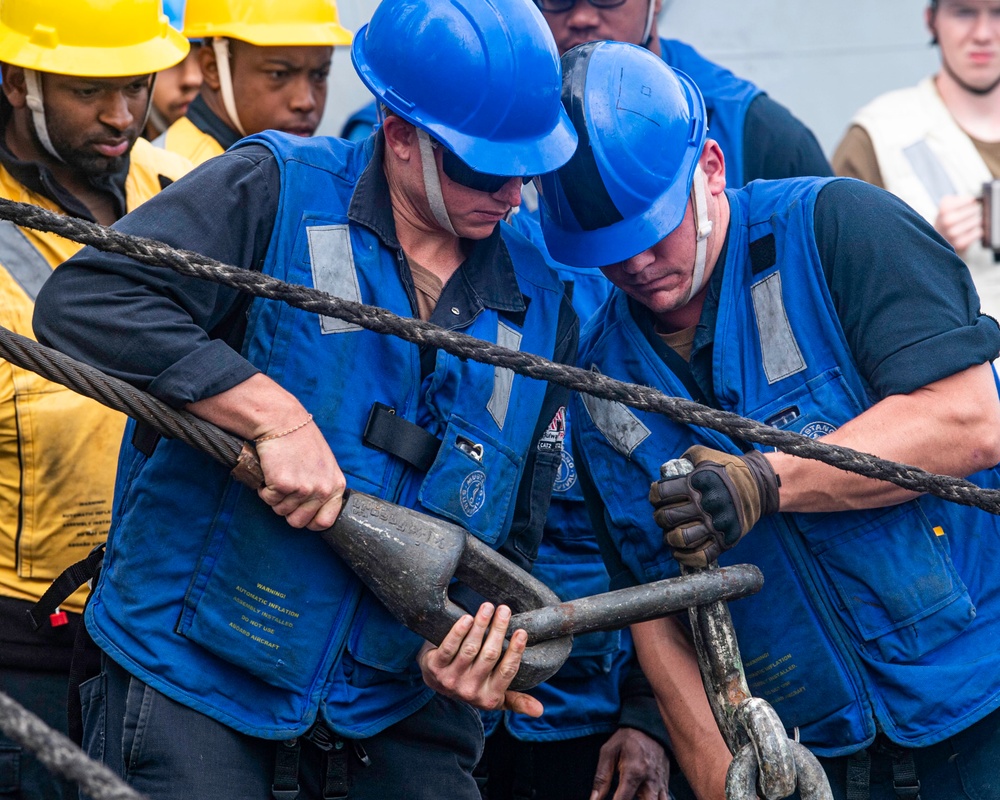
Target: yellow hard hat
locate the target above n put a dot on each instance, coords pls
(266, 22)
(89, 38)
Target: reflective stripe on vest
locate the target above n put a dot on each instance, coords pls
(333, 270)
(23, 261)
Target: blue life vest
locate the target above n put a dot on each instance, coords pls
(887, 617)
(727, 99)
(214, 600)
(360, 124)
(584, 696)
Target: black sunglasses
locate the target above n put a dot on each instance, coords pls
(560, 6)
(463, 174)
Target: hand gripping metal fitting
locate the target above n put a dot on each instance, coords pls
(765, 760)
(408, 560)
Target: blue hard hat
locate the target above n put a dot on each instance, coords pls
(480, 76)
(642, 128)
(174, 9)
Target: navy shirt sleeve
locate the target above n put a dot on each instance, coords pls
(177, 337)
(906, 301)
(778, 145)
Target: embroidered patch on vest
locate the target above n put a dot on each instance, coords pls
(472, 495)
(554, 435)
(814, 430)
(565, 475)
(503, 379)
(779, 350)
(333, 270)
(617, 422)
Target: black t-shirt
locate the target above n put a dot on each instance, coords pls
(777, 145)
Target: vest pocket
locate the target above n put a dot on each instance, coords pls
(472, 480)
(64, 511)
(269, 599)
(379, 641)
(894, 579)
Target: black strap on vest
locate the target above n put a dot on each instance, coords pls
(286, 770)
(399, 437)
(904, 774)
(336, 762)
(859, 772)
(336, 781)
(763, 254)
(905, 784)
(71, 579)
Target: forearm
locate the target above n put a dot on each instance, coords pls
(669, 662)
(175, 336)
(950, 427)
(256, 407)
(302, 481)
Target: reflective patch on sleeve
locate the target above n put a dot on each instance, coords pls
(22, 260)
(503, 379)
(779, 349)
(333, 270)
(617, 422)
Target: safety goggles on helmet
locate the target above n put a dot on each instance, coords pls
(463, 174)
(561, 6)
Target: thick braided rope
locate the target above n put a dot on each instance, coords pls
(60, 755)
(148, 251)
(119, 395)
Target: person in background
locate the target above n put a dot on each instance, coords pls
(761, 138)
(176, 87)
(264, 66)
(936, 144)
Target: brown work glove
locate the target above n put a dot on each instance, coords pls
(710, 509)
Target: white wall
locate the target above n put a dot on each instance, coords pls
(822, 60)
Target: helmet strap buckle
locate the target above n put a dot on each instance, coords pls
(36, 104)
(432, 183)
(220, 45)
(703, 229)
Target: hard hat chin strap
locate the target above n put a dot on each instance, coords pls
(36, 104)
(221, 47)
(703, 228)
(432, 183)
(158, 120)
(649, 23)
